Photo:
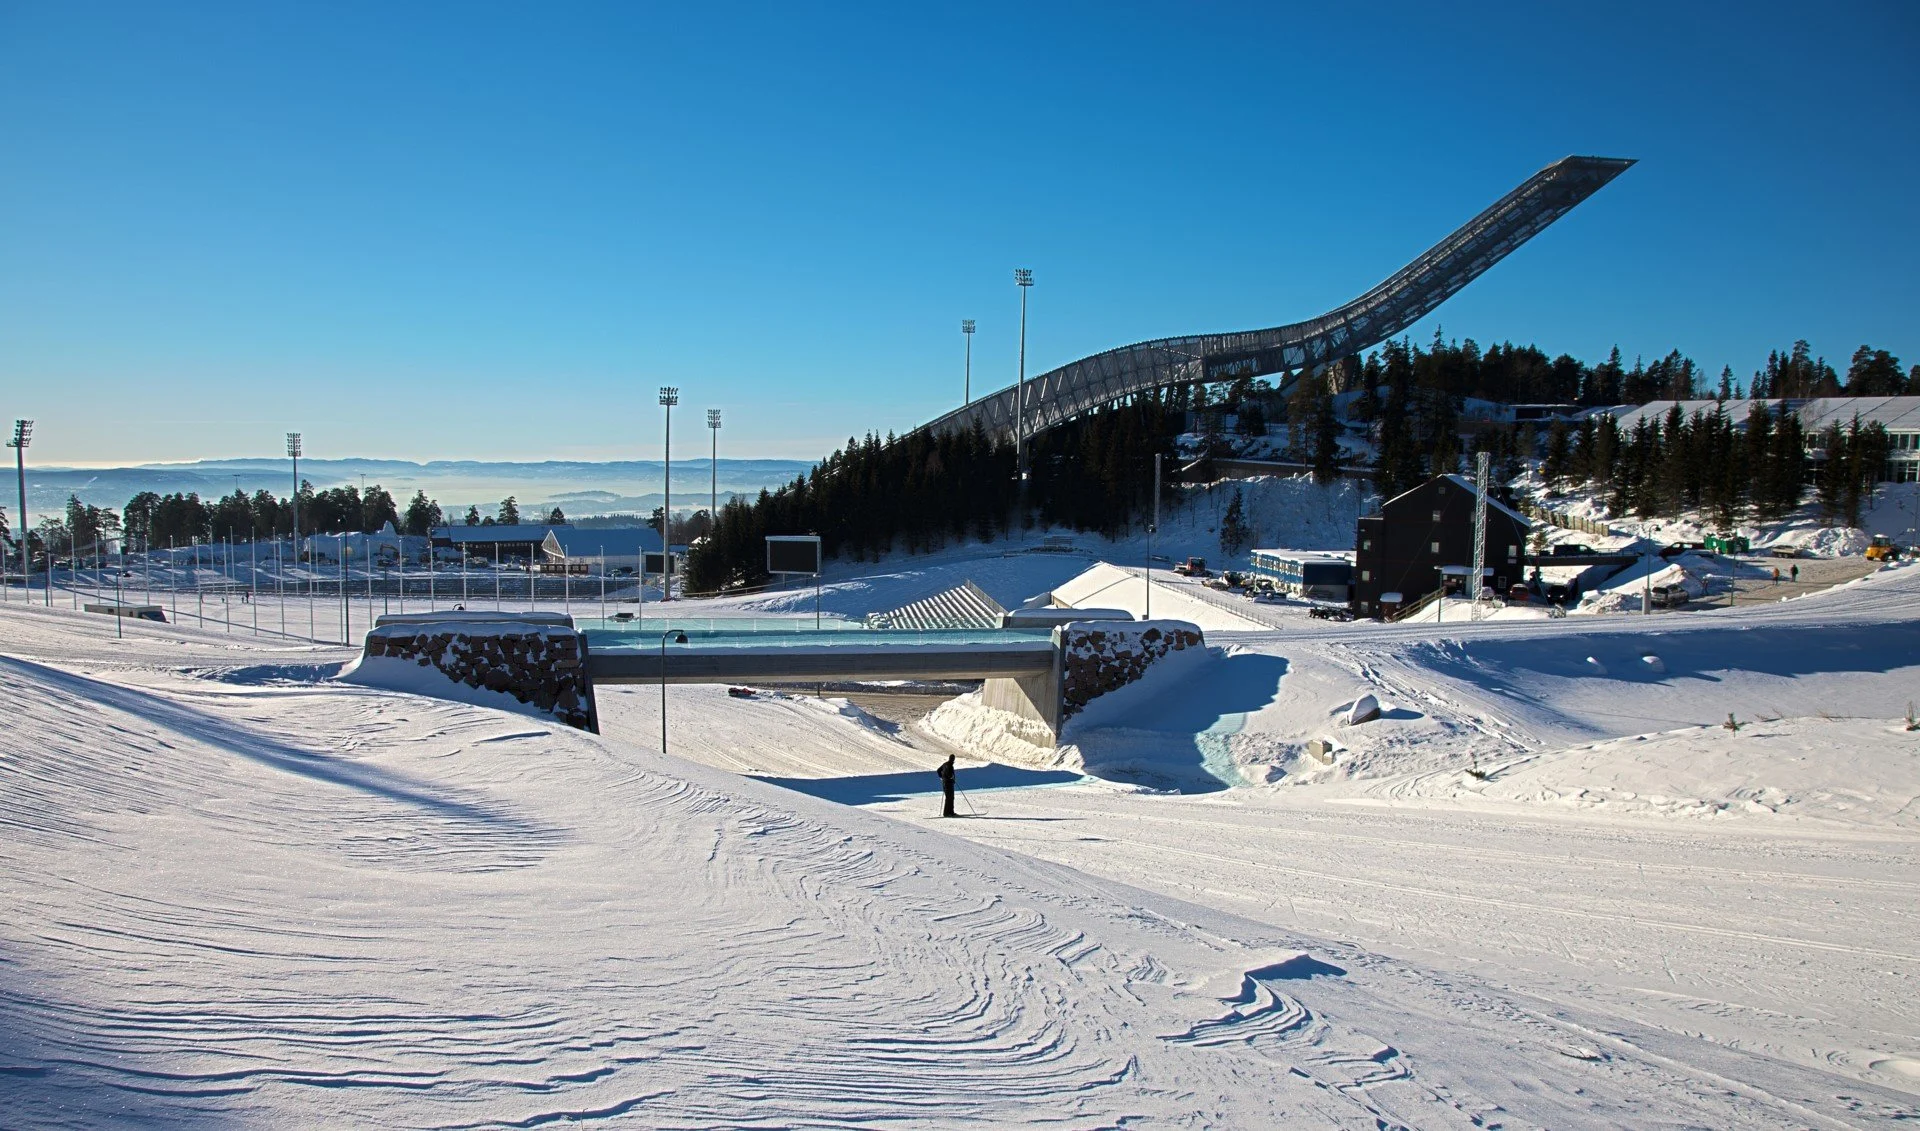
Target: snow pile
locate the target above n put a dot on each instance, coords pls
(1862, 772)
(1107, 586)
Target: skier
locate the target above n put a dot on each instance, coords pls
(946, 785)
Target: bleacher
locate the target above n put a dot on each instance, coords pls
(964, 606)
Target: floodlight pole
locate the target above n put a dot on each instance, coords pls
(1022, 278)
(293, 453)
(669, 396)
(713, 473)
(22, 436)
(966, 328)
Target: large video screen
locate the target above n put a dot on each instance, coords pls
(793, 553)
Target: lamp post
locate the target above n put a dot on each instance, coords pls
(22, 436)
(713, 472)
(677, 637)
(669, 396)
(966, 328)
(1022, 278)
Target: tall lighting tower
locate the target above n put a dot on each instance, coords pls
(966, 327)
(669, 396)
(1023, 278)
(22, 436)
(713, 471)
(293, 453)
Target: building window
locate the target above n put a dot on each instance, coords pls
(1436, 516)
(1513, 553)
(1436, 547)
(1366, 543)
(1366, 575)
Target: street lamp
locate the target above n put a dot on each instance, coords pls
(677, 637)
(966, 327)
(22, 436)
(1022, 278)
(669, 396)
(713, 473)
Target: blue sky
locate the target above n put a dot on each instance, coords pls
(490, 231)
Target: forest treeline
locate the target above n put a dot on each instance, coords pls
(919, 492)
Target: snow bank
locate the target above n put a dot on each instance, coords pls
(1852, 771)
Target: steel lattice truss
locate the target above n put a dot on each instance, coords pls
(1403, 299)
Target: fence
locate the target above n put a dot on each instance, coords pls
(1562, 518)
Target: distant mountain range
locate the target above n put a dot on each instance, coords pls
(578, 488)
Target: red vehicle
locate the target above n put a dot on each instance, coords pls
(1193, 567)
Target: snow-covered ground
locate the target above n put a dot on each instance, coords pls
(1546, 887)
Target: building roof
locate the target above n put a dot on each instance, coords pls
(1492, 503)
(592, 541)
(1736, 408)
(517, 532)
(1895, 414)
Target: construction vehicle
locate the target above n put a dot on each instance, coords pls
(1882, 549)
(1193, 567)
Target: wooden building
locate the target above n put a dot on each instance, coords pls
(1425, 535)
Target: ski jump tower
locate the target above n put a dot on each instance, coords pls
(1407, 296)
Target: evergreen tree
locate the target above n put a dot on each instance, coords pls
(473, 514)
(555, 517)
(1557, 467)
(1326, 440)
(1235, 534)
(423, 514)
(509, 512)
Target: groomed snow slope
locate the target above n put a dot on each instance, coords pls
(238, 896)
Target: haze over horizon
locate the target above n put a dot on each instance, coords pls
(490, 232)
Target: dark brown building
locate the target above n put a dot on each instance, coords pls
(1423, 535)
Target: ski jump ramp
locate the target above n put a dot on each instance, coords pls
(1406, 296)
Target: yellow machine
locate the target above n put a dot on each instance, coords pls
(1882, 549)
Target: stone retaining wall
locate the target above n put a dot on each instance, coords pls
(541, 665)
(1102, 656)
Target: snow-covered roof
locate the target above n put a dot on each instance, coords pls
(1492, 502)
(1895, 414)
(517, 532)
(592, 541)
(1737, 410)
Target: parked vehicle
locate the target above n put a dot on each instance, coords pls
(1784, 551)
(1519, 594)
(1571, 550)
(1883, 550)
(1330, 612)
(1670, 596)
(1193, 567)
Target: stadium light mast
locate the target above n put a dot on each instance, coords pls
(1023, 278)
(669, 396)
(22, 436)
(293, 453)
(966, 328)
(713, 472)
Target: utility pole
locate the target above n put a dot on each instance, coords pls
(669, 396)
(713, 473)
(1022, 278)
(22, 436)
(966, 328)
